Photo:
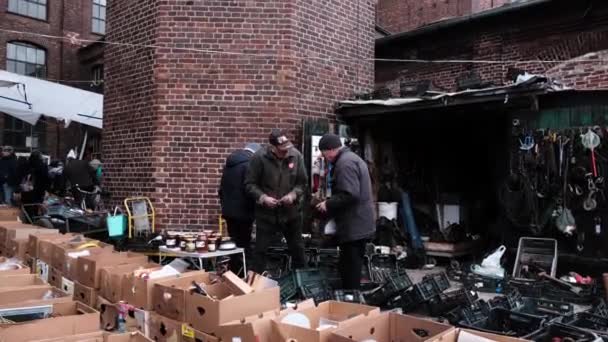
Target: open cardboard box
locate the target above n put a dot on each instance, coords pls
(392, 327)
(89, 267)
(169, 295)
(33, 240)
(17, 248)
(70, 264)
(15, 270)
(191, 335)
(139, 291)
(20, 281)
(257, 327)
(127, 337)
(41, 245)
(97, 336)
(19, 297)
(6, 225)
(227, 301)
(113, 286)
(55, 277)
(64, 251)
(337, 313)
(135, 320)
(19, 231)
(69, 319)
(9, 213)
(85, 294)
(163, 329)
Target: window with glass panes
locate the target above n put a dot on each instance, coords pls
(26, 59)
(31, 8)
(99, 16)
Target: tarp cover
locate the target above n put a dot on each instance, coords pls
(28, 98)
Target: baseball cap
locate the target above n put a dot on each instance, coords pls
(278, 139)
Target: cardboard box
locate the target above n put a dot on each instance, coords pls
(109, 314)
(55, 278)
(169, 295)
(65, 250)
(20, 231)
(207, 313)
(20, 297)
(8, 213)
(45, 244)
(85, 294)
(163, 329)
(17, 248)
(33, 239)
(128, 337)
(6, 225)
(67, 286)
(21, 281)
(70, 319)
(389, 327)
(89, 337)
(258, 327)
(191, 335)
(90, 267)
(70, 264)
(112, 280)
(138, 291)
(338, 313)
(466, 335)
(14, 269)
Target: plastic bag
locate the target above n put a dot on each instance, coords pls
(490, 266)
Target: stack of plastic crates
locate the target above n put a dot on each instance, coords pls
(447, 301)
(505, 322)
(349, 296)
(588, 322)
(395, 286)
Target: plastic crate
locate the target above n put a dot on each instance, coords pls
(586, 297)
(544, 307)
(528, 288)
(288, 287)
(536, 254)
(506, 322)
(425, 290)
(448, 301)
(319, 292)
(586, 321)
(554, 331)
(600, 309)
(307, 276)
(484, 284)
(406, 301)
(475, 312)
(382, 267)
(349, 296)
(440, 281)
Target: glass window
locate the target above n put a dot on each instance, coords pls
(99, 16)
(31, 8)
(26, 59)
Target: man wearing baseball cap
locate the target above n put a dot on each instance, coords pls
(276, 180)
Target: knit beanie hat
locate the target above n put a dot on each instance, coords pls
(329, 142)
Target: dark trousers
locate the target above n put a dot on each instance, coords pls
(240, 232)
(265, 231)
(351, 259)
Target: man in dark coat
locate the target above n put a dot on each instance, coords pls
(237, 205)
(8, 174)
(351, 205)
(276, 181)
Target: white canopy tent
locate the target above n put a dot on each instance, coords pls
(28, 98)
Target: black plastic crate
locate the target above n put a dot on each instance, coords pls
(448, 301)
(589, 322)
(586, 297)
(544, 307)
(349, 296)
(475, 312)
(320, 292)
(382, 267)
(288, 288)
(506, 322)
(484, 284)
(307, 276)
(528, 288)
(600, 309)
(440, 281)
(425, 290)
(553, 331)
(406, 301)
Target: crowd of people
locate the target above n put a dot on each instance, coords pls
(267, 185)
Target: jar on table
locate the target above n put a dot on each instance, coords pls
(190, 244)
(171, 241)
(201, 243)
(212, 244)
(182, 242)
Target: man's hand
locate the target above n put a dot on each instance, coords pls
(268, 201)
(289, 199)
(322, 207)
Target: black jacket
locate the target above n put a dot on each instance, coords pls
(352, 203)
(235, 202)
(78, 172)
(273, 177)
(8, 171)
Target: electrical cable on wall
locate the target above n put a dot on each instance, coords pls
(76, 41)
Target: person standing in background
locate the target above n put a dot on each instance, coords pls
(237, 206)
(351, 205)
(276, 180)
(8, 174)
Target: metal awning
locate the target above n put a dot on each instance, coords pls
(28, 98)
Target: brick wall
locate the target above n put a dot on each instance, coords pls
(200, 106)
(404, 15)
(559, 38)
(588, 72)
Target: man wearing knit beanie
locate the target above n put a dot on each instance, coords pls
(351, 205)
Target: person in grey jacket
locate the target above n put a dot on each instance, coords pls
(351, 205)
(276, 180)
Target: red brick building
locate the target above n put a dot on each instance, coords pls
(53, 59)
(510, 36)
(173, 113)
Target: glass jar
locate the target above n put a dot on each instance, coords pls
(201, 243)
(212, 244)
(182, 242)
(171, 241)
(190, 244)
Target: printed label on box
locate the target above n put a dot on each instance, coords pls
(187, 331)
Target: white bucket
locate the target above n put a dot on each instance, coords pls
(388, 210)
